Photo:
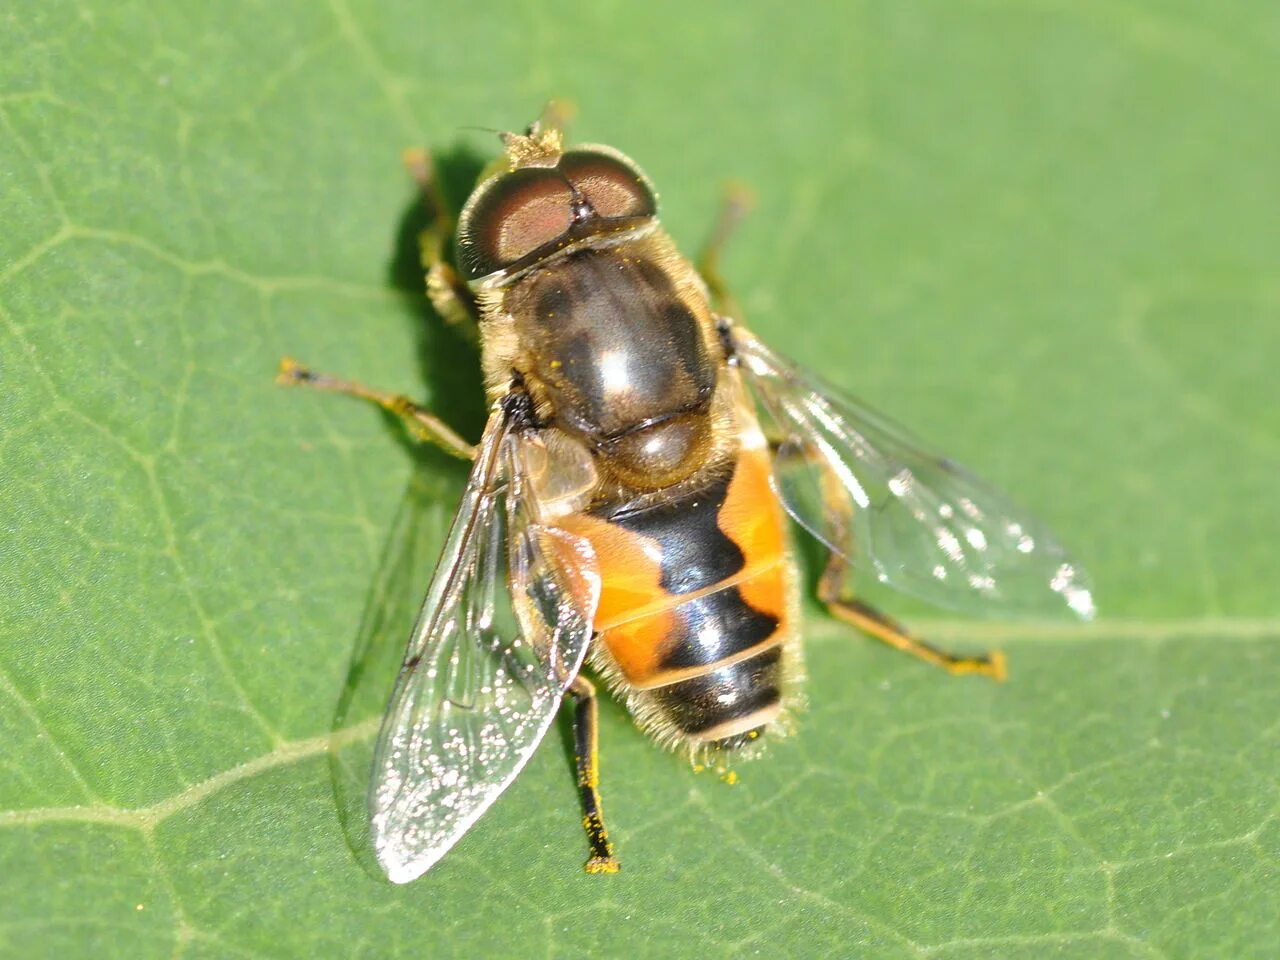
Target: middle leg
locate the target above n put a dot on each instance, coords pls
(884, 628)
(425, 426)
(832, 591)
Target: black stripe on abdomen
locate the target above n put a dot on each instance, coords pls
(695, 552)
(714, 628)
(723, 695)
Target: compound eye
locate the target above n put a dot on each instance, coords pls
(512, 217)
(613, 187)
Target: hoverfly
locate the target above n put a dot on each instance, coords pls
(626, 507)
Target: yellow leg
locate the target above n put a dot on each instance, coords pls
(873, 622)
(831, 591)
(586, 749)
(446, 290)
(425, 426)
(737, 203)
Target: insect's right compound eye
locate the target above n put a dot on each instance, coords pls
(611, 183)
(511, 217)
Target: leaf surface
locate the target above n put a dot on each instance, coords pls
(1044, 236)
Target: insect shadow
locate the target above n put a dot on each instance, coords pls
(450, 365)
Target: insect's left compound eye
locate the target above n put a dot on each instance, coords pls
(612, 186)
(512, 217)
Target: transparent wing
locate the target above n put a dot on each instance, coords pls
(919, 523)
(502, 634)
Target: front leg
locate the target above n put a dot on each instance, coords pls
(735, 205)
(447, 291)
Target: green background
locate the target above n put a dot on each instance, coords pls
(1044, 234)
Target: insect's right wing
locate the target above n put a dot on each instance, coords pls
(917, 521)
(503, 632)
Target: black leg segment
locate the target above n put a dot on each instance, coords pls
(586, 752)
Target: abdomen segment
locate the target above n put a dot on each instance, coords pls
(697, 605)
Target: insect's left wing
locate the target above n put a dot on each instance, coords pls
(503, 632)
(915, 521)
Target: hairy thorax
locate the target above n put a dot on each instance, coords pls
(617, 347)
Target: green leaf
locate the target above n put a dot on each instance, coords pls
(1045, 235)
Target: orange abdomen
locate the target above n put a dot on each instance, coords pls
(695, 603)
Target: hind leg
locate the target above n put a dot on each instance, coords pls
(586, 750)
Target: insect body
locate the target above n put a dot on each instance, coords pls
(626, 509)
(611, 336)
